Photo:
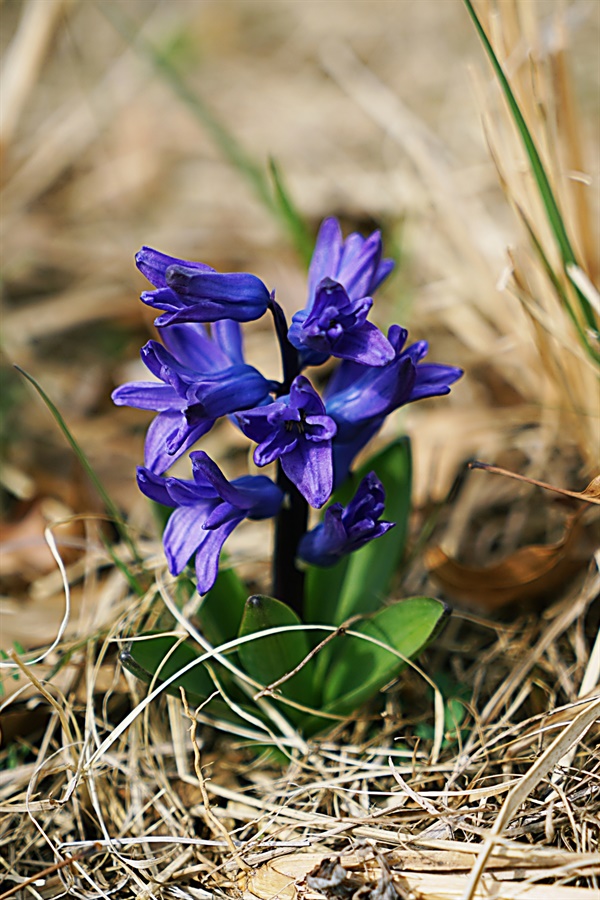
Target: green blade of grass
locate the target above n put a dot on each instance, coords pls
(110, 506)
(551, 207)
(303, 239)
(552, 276)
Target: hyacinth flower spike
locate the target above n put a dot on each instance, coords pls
(344, 530)
(295, 430)
(207, 510)
(198, 380)
(193, 292)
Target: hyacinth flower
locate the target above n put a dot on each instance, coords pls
(341, 569)
(342, 276)
(337, 326)
(295, 430)
(199, 379)
(207, 510)
(194, 292)
(344, 530)
(355, 263)
(359, 398)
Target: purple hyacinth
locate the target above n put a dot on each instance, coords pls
(359, 398)
(337, 326)
(199, 380)
(342, 276)
(344, 530)
(355, 263)
(207, 510)
(192, 292)
(296, 430)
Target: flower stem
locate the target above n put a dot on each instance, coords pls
(288, 581)
(289, 355)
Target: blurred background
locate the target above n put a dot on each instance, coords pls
(119, 121)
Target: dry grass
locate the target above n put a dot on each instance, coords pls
(99, 157)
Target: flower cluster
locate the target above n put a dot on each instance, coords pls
(200, 375)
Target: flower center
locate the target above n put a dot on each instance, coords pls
(291, 424)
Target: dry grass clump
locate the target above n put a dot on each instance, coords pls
(487, 786)
(169, 808)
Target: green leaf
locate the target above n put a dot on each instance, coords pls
(359, 583)
(144, 658)
(553, 213)
(360, 669)
(220, 612)
(270, 658)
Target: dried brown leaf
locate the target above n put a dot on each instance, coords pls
(523, 575)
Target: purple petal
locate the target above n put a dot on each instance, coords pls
(262, 498)
(182, 535)
(208, 553)
(397, 337)
(383, 270)
(164, 431)
(191, 493)
(303, 396)
(227, 334)
(163, 364)
(319, 428)
(159, 432)
(212, 296)
(326, 256)
(206, 470)
(153, 264)
(163, 298)
(360, 259)
(191, 345)
(374, 393)
(433, 380)
(310, 468)
(147, 395)
(365, 345)
(276, 446)
(257, 424)
(153, 486)
(222, 514)
(222, 393)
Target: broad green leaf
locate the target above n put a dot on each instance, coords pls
(145, 658)
(359, 583)
(359, 669)
(220, 611)
(268, 659)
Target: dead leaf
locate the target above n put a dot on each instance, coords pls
(439, 871)
(529, 572)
